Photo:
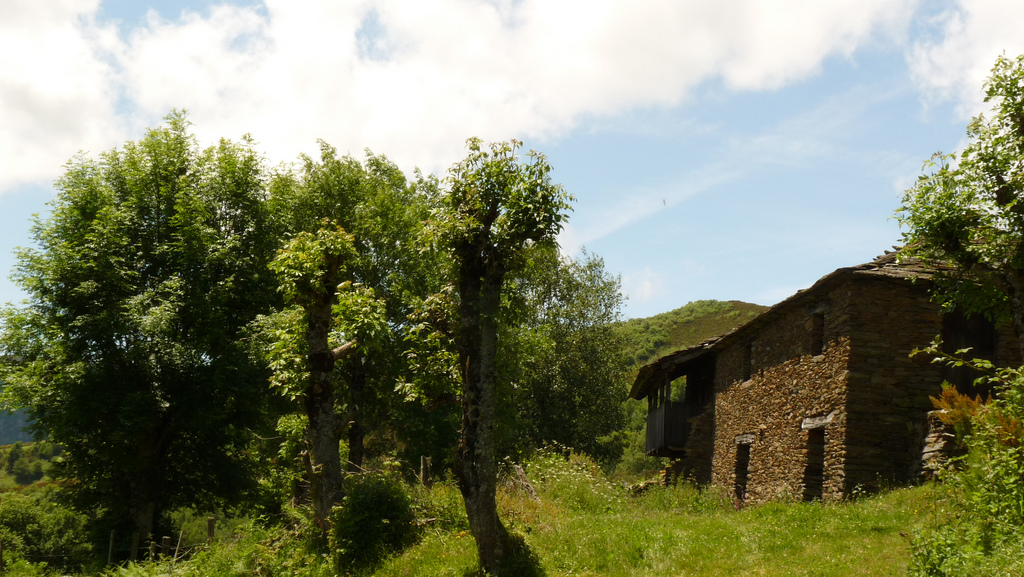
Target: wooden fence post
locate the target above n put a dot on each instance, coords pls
(152, 550)
(110, 549)
(134, 554)
(165, 546)
(211, 528)
(425, 471)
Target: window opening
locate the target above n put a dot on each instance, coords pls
(678, 390)
(742, 470)
(962, 331)
(814, 472)
(748, 360)
(817, 334)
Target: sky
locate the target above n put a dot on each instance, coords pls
(734, 150)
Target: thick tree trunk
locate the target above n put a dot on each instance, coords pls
(144, 503)
(323, 436)
(476, 466)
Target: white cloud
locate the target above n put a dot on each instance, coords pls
(57, 86)
(969, 35)
(644, 285)
(411, 79)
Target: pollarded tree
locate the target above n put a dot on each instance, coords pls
(128, 350)
(494, 208)
(373, 201)
(329, 319)
(971, 214)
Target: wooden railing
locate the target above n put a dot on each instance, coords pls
(668, 428)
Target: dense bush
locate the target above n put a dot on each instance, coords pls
(987, 525)
(374, 519)
(37, 530)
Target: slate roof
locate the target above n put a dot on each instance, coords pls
(888, 265)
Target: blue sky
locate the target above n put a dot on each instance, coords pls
(739, 150)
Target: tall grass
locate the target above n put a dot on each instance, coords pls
(585, 525)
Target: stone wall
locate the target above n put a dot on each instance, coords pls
(889, 391)
(863, 393)
(790, 392)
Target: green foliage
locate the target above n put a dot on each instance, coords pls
(967, 212)
(988, 483)
(13, 456)
(498, 204)
(128, 350)
(386, 276)
(302, 264)
(652, 337)
(634, 462)
(28, 463)
(561, 371)
(35, 529)
(375, 519)
(355, 315)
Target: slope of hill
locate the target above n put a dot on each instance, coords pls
(12, 428)
(653, 337)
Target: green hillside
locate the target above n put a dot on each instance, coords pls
(652, 337)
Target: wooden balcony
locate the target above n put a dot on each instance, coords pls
(668, 428)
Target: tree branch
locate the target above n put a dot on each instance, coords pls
(345, 350)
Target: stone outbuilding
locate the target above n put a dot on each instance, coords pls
(819, 395)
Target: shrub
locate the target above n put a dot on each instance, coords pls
(35, 530)
(374, 519)
(990, 485)
(440, 506)
(27, 471)
(573, 479)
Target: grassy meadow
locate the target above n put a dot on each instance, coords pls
(680, 531)
(586, 525)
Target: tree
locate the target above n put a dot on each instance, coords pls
(128, 350)
(562, 367)
(330, 317)
(384, 212)
(967, 217)
(970, 214)
(494, 208)
(348, 274)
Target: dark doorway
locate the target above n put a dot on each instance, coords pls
(742, 470)
(961, 331)
(814, 473)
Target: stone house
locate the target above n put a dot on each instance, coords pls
(818, 395)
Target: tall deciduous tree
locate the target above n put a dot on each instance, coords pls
(384, 212)
(971, 213)
(495, 206)
(329, 318)
(127, 352)
(563, 368)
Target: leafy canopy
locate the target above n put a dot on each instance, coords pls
(969, 211)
